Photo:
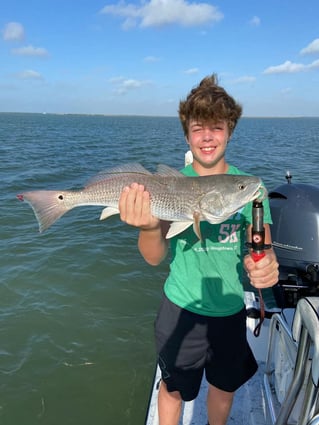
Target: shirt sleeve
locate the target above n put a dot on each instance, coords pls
(267, 213)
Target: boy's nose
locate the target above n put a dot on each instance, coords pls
(208, 135)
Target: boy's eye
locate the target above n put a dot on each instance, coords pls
(196, 129)
(218, 127)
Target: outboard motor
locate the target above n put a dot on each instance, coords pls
(295, 235)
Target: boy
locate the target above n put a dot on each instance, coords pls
(201, 323)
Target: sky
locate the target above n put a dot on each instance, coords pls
(143, 57)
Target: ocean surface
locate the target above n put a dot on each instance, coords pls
(77, 303)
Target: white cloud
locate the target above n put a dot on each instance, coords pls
(30, 51)
(156, 13)
(314, 64)
(255, 21)
(289, 67)
(286, 90)
(151, 59)
(124, 85)
(313, 47)
(285, 68)
(29, 74)
(13, 31)
(191, 71)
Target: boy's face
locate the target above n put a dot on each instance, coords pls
(208, 142)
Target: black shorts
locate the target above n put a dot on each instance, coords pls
(188, 343)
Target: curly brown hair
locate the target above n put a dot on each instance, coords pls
(208, 102)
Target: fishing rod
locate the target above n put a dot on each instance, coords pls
(258, 231)
(258, 247)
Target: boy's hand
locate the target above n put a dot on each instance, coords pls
(263, 273)
(134, 206)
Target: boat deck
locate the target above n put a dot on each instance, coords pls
(248, 406)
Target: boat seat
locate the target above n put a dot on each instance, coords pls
(298, 397)
(288, 315)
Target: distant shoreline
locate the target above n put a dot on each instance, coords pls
(152, 116)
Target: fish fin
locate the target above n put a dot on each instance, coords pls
(188, 157)
(48, 206)
(166, 171)
(177, 227)
(108, 212)
(121, 169)
(196, 226)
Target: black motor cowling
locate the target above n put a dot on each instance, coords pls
(295, 235)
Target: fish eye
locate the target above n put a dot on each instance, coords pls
(241, 186)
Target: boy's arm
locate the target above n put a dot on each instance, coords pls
(152, 244)
(134, 206)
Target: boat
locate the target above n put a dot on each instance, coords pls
(285, 389)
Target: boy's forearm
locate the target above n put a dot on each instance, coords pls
(152, 245)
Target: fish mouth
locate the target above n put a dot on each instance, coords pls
(260, 194)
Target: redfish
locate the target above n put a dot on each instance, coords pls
(181, 200)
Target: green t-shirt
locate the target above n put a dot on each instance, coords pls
(206, 277)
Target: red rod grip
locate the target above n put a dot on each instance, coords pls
(256, 256)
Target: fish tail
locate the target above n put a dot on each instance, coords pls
(48, 206)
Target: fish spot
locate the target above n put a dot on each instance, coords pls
(60, 197)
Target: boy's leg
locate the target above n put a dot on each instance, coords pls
(219, 403)
(169, 406)
(181, 345)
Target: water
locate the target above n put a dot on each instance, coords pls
(77, 303)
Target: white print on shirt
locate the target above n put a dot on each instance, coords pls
(227, 233)
(215, 248)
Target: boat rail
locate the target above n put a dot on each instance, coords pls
(303, 341)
